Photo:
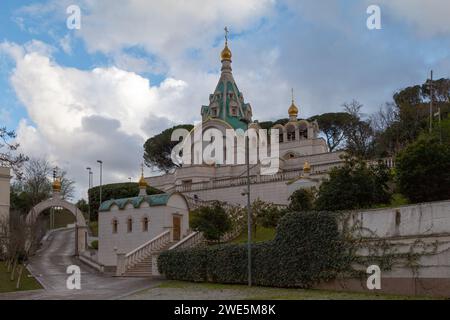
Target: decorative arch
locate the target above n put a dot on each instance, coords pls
(57, 201)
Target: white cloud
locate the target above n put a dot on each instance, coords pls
(428, 18)
(77, 117)
(165, 28)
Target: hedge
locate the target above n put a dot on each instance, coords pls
(307, 249)
(114, 191)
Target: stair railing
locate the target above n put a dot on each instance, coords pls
(135, 256)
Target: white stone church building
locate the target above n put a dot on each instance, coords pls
(304, 157)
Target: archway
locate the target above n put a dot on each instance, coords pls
(57, 201)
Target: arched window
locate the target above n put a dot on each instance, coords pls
(303, 130)
(129, 225)
(291, 133)
(115, 225)
(281, 135)
(145, 224)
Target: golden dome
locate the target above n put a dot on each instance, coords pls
(293, 110)
(226, 53)
(142, 183)
(57, 185)
(306, 167)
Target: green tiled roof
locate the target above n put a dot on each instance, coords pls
(152, 200)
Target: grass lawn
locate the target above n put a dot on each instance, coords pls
(262, 234)
(27, 283)
(263, 293)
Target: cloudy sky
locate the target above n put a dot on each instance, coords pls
(136, 67)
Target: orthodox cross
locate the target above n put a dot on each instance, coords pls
(226, 34)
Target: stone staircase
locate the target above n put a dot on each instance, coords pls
(145, 266)
(143, 261)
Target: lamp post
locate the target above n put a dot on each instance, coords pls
(89, 187)
(249, 208)
(101, 176)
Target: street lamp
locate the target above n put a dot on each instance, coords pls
(249, 209)
(101, 176)
(89, 187)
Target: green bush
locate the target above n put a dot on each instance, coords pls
(302, 200)
(355, 185)
(423, 170)
(94, 244)
(114, 191)
(307, 249)
(213, 221)
(186, 264)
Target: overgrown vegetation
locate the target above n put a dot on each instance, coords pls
(355, 185)
(307, 249)
(213, 221)
(423, 170)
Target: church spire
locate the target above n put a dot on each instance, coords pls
(225, 55)
(293, 110)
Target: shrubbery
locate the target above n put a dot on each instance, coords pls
(423, 170)
(213, 221)
(356, 185)
(307, 249)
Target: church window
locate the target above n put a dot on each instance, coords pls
(129, 225)
(281, 135)
(115, 225)
(145, 224)
(214, 112)
(234, 111)
(291, 133)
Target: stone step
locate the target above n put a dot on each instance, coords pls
(143, 268)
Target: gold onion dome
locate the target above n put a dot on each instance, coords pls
(56, 185)
(142, 183)
(293, 110)
(307, 167)
(226, 55)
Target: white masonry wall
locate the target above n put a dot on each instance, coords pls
(4, 192)
(421, 228)
(160, 220)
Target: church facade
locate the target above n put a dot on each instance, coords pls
(303, 157)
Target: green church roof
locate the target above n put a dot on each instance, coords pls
(224, 97)
(153, 201)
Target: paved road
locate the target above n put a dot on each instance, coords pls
(49, 266)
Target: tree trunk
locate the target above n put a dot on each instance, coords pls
(19, 276)
(13, 270)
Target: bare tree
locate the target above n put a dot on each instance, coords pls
(359, 133)
(19, 239)
(384, 117)
(8, 152)
(36, 183)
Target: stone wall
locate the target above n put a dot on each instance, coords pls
(4, 192)
(423, 229)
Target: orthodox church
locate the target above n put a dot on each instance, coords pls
(304, 157)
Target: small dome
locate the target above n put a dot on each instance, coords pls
(142, 183)
(293, 110)
(306, 167)
(56, 185)
(226, 54)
